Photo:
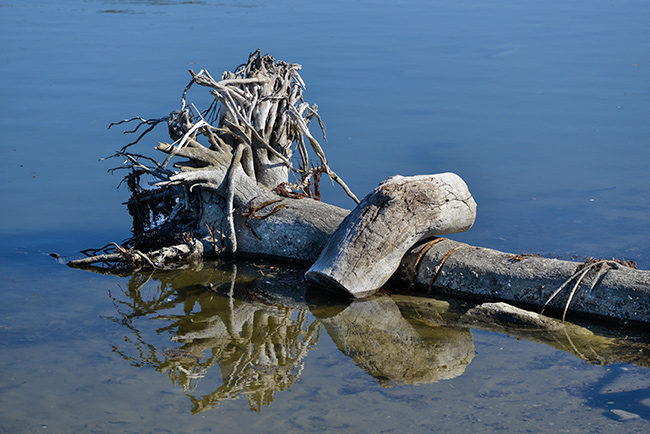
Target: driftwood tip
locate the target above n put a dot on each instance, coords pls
(324, 281)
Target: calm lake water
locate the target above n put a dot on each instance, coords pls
(543, 107)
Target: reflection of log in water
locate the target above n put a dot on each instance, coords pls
(376, 336)
(252, 322)
(594, 348)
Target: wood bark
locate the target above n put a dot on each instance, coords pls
(367, 247)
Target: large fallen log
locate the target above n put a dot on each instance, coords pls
(603, 288)
(230, 195)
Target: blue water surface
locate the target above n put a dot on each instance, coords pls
(543, 107)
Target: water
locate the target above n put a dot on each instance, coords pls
(200, 351)
(542, 107)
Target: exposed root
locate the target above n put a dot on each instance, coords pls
(282, 190)
(213, 232)
(231, 234)
(319, 152)
(119, 258)
(423, 252)
(240, 147)
(132, 259)
(581, 271)
(151, 122)
(250, 213)
(439, 268)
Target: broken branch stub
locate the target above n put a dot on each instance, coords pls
(367, 247)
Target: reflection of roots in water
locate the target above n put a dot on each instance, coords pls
(264, 354)
(258, 347)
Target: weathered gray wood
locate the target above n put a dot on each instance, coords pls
(300, 230)
(259, 117)
(180, 255)
(297, 230)
(619, 293)
(366, 249)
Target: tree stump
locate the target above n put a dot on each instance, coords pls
(238, 188)
(367, 247)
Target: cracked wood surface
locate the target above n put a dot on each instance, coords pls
(368, 245)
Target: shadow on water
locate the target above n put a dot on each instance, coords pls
(618, 405)
(230, 330)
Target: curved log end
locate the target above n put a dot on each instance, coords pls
(367, 247)
(324, 281)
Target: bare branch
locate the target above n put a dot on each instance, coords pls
(231, 235)
(319, 152)
(151, 122)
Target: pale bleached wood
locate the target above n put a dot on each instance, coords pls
(368, 246)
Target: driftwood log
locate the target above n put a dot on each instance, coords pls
(602, 288)
(236, 189)
(367, 247)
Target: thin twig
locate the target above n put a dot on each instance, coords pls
(319, 152)
(573, 291)
(580, 274)
(421, 255)
(439, 268)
